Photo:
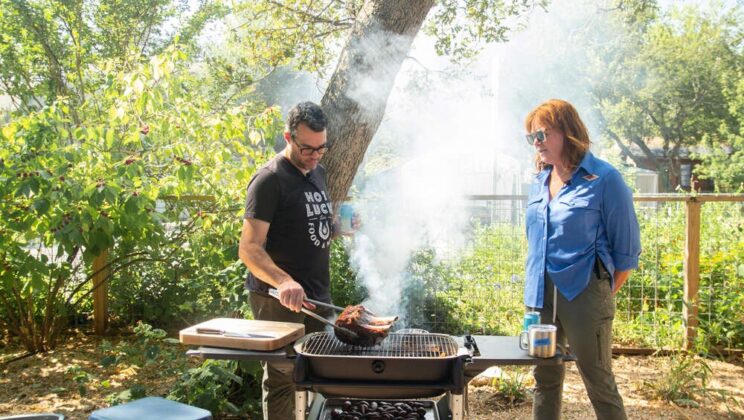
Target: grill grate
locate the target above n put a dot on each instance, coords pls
(415, 346)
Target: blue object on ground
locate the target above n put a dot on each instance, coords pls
(152, 408)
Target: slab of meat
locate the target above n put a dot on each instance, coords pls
(370, 330)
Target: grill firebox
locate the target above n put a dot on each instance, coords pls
(402, 366)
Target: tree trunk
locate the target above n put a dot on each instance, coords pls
(357, 94)
(625, 150)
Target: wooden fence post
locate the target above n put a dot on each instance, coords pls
(100, 294)
(692, 270)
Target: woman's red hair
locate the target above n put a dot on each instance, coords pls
(561, 115)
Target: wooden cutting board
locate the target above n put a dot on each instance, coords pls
(278, 334)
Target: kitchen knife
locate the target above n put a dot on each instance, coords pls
(234, 334)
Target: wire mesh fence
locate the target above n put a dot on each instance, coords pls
(484, 286)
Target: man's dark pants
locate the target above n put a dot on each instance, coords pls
(277, 387)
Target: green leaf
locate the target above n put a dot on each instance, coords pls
(109, 138)
(109, 361)
(152, 352)
(41, 206)
(227, 374)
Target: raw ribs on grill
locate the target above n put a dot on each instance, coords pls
(370, 329)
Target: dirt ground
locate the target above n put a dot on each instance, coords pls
(42, 383)
(630, 372)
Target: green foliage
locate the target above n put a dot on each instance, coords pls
(511, 387)
(80, 377)
(686, 383)
(122, 181)
(345, 289)
(151, 347)
(220, 386)
(136, 392)
(649, 306)
(479, 292)
(639, 101)
(725, 160)
(462, 28)
(425, 307)
(52, 49)
(721, 309)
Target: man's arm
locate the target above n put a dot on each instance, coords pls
(620, 277)
(252, 253)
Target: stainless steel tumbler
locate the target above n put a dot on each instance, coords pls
(539, 340)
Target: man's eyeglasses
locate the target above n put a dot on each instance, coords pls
(539, 135)
(308, 151)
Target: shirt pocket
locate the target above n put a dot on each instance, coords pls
(579, 217)
(535, 210)
(535, 222)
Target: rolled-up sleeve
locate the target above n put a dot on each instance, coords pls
(620, 222)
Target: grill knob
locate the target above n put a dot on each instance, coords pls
(378, 366)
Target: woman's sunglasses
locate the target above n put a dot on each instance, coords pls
(539, 135)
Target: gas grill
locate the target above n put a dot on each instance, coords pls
(400, 357)
(403, 367)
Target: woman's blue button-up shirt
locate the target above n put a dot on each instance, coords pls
(592, 216)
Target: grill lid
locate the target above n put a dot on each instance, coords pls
(413, 346)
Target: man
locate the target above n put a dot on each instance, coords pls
(286, 237)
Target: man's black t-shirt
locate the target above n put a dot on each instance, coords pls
(299, 211)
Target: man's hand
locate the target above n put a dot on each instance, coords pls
(292, 295)
(356, 222)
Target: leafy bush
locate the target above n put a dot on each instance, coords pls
(345, 289)
(649, 306)
(117, 173)
(151, 347)
(511, 387)
(221, 386)
(478, 292)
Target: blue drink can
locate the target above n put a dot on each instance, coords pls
(346, 213)
(530, 318)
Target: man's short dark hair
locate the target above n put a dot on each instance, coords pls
(306, 112)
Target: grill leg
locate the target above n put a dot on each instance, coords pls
(455, 406)
(300, 405)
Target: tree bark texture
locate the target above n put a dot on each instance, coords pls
(357, 94)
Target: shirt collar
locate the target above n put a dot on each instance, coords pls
(588, 163)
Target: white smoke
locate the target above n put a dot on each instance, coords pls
(451, 132)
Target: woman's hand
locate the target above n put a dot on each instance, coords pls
(620, 277)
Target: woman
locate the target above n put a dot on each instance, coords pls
(583, 241)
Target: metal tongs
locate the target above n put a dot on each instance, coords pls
(339, 330)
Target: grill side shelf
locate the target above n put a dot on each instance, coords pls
(284, 355)
(504, 350)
